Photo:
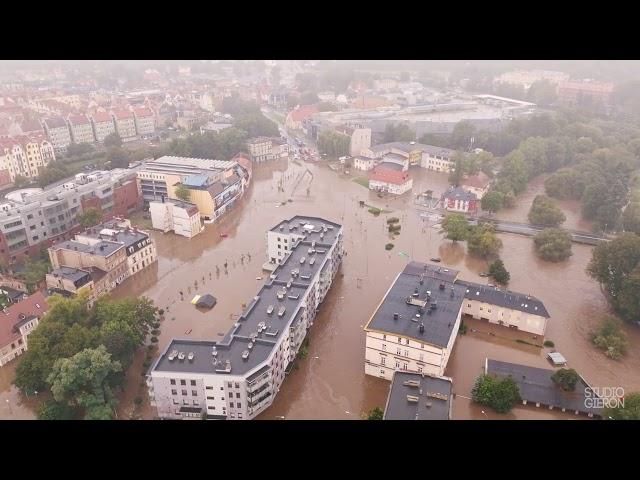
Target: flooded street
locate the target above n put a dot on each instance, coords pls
(330, 383)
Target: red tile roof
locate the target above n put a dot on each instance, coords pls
(479, 180)
(143, 112)
(35, 305)
(390, 176)
(101, 117)
(78, 119)
(122, 114)
(303, 112)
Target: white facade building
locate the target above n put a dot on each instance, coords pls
(238, 377)
(172, 214)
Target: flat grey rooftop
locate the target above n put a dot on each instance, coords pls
(102, 248)
(295, 225)
(433, 397)
(536, 386)
(443, 303)
(237, 340)
(73, 274)
(504, 298)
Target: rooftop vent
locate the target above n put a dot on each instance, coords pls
(413, 399)
(245, 354)
(191, 356)
(181, 356)
(411, 383)
(269, 309)
(396, 316)
(281, 311)
(442, 286)
(173, 355)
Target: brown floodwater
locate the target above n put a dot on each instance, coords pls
(330, 383)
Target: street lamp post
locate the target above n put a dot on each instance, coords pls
(485, 414)
(9, 405)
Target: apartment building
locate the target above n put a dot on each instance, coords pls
(214, 185)
(58, 133)
(81, 129)
(177, 215)
(416, 396)
(262, 149)
(415, 326)
(145, 122)
(34, 217)
(585, 93)
(239, 376)
(125, 124)
(25, 155)
(103, 125)
(139, 246)
(16, 324)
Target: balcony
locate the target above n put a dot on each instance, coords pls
(257, 384)
(258, 391)
(256, 404)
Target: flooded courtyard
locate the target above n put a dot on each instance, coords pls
(330, 382)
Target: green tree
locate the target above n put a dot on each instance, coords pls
(90, 217)
(83, 381)
(609, 337)
(501, 394)
(492, 201)
(79, 149)
(553, 244)
(456, 226)
(616, 266)
(564, 184)
(630, 410)
(515, 171)
(118, 157)
(399, 132)
(499, 273)
(631, 218)
(183, 193)
(542, 92)
(20, 181)
(566, 378)
(375, 414)
(53, 410)
(462, 134)
(544, 212)
(112, 140)
(457, 174)
(333, 144)
(256, 125)
(482, 241)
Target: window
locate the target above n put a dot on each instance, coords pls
(183, 382)
(194, 393)
(32, 227)
(384, 337)
(221, 388)
(195, 403)
(383, 361)
(173, 381)
(210, 398)
(184, 393)
(229, 384)
(240, 416)
(404, 366)
(384, 347)
(397, 364)
(174, 392)
(422, 357)
(237, 394)
(193, 383)
(422, 345)
(237, 385)
(209, 388)
(419, 369)
(469, 305)
(398, 351)
(175, 402)
(406, 353)
(238, 405)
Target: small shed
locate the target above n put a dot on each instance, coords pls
(206, 301)
(557, 358)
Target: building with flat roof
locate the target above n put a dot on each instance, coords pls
(439, 159)
(536, 387)
(32, 217)
(58, 133)
(416, 396)
(239, 376)
(415, 325)
(214, 185)
(177, 215)
(458, 199)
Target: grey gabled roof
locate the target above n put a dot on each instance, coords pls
(504, 298)
(536, 386)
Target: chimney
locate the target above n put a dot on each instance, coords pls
(421, 327)
(396, 316)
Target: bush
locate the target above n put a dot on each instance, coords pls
(553, 244)
(463, 328)
(566, 378)
(499, 273)
(501, 394)
(549, 343)
(161, 312)
(137, 401)
(375, 414)
(154, 339)
(151, 347)
(394, 228)
(375, 211)
(393, 220)
(388, 246)
(53, 410)
(155, 332)
(610, 338)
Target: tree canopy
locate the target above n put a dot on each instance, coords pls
(399, 132)
(112, 140)
(482, 241)
(630, 410)
(553, 244)
(333, 144)
(545, 213)
(501, 394)
(566, 378)
(90, 217)
(456, 226)
(499, 273)
(183, 193)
